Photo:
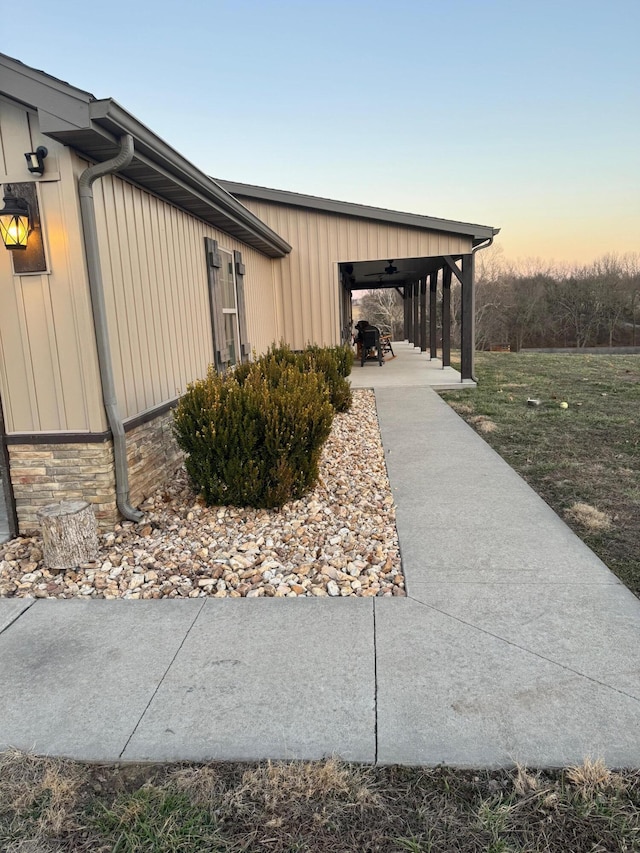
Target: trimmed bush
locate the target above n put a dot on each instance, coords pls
(345, 357)
(334, 363)
(254, 436)
(327, 362)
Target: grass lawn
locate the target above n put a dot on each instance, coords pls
(584, 460)
(51, 806)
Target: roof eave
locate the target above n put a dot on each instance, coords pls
(92, 128)
(479, 233)
(110, 116)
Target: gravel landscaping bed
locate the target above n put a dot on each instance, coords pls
(339, 540)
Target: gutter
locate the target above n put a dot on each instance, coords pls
(485, 243)
(155, 152)
(96, 288)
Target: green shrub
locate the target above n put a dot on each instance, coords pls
(333, 363)
(254, 436)
(327, 362)
(345, 358)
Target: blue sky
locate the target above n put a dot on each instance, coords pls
(522, 114)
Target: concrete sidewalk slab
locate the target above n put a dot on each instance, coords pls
(564, 624)
(11, 609)
(77, 675)
(463, 510)
(466, 698)
(267, 678)
(525, 648)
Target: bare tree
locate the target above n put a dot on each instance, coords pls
(384, 308)
(524, 309)
(539, 303)
(630, 267)
(606, 273)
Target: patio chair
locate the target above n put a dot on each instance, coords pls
(370, 338)
(385, 343)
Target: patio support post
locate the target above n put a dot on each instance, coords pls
(468, 331)
(416, 324)
(407, 315)
(423, 315)
(446, 317)
(433, 314)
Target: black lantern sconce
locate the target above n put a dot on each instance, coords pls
(35, 160)
(20, 228)
(14, 221)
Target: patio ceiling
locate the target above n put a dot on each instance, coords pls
(370, 275)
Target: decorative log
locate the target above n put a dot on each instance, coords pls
(69, 534)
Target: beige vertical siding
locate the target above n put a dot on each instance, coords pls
(49, 378)
(156, 288)
(307, 279)
(154, 270)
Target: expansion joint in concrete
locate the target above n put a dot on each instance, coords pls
(13, 621)
(160, 682)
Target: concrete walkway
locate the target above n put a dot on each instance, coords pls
(515, 642)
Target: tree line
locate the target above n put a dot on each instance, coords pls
(533, 304)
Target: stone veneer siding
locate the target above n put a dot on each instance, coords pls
(153, 456)
(43, 474)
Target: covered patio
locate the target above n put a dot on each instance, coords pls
(422, 283)
(410, 368)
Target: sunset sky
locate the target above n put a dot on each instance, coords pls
(521, 115)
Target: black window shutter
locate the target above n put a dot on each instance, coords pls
(245, 346)
(220, 349)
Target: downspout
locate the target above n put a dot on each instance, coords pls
(483, 245)
(88, 213)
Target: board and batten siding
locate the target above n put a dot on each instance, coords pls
(156, 289)
(307, 294)
(49, 378)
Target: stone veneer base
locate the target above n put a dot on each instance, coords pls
(43, 474)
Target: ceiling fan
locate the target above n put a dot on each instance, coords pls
(389, 270)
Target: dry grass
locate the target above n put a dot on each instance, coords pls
(46, 789)
(276, 784)
(592, 519)
(524, 781)
(51, 806)
(592, 776)
(461, 408)
(286, 796)
(483, 424)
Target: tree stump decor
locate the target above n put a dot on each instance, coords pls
(69, 534)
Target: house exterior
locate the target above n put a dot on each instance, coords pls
(139, 272)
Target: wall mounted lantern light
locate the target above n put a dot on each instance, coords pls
(14, 221)
(35, 160)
